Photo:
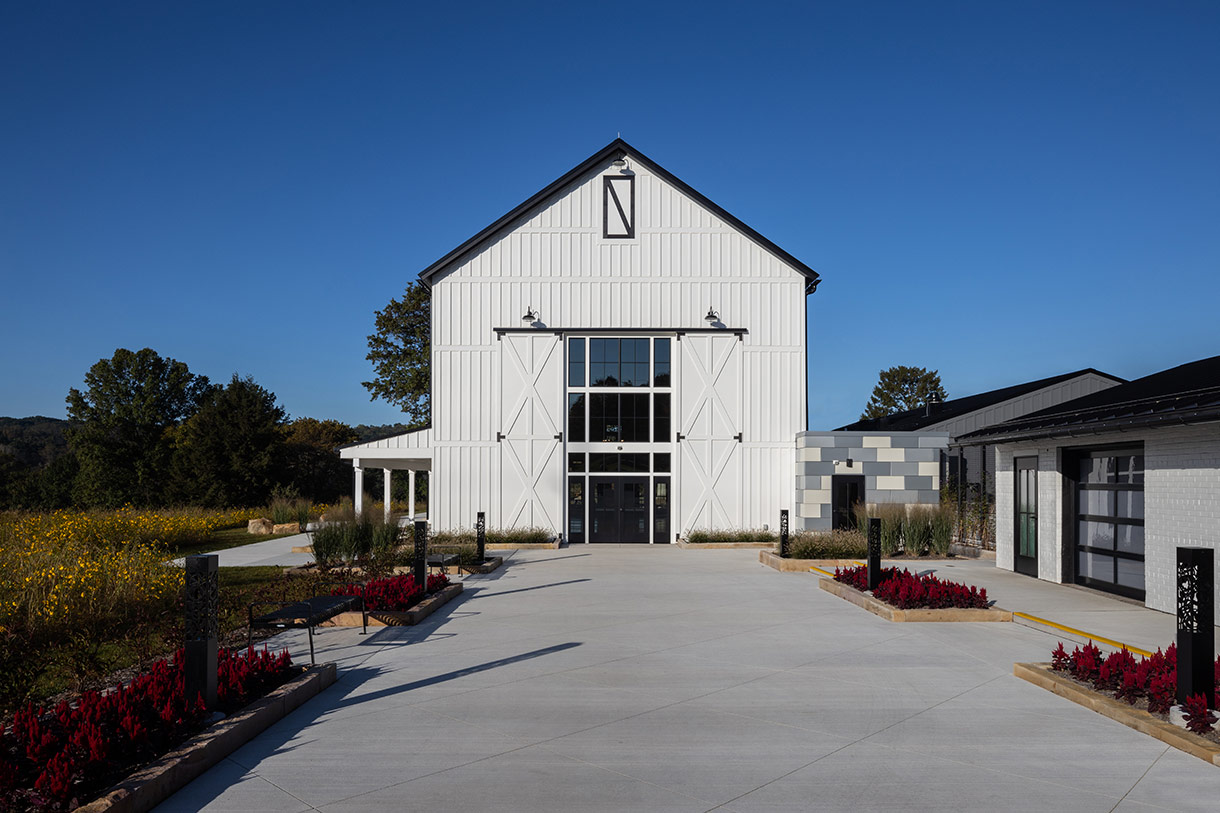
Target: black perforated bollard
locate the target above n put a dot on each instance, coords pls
(480, 535)
(874, 552)
(202, 628)
(421, 554)
(1196, 616)
(783, 534)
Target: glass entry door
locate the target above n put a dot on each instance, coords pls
(1026, 532)
(618, 509)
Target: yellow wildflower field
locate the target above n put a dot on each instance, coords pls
(82, 568)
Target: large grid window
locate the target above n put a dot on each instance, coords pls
(619, 392)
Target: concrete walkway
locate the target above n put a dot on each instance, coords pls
(655, 679)
(271, 552)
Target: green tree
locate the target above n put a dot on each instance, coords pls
(121, 424)
(314, 468)
(231, 451)
(401, 353)
(901, 388)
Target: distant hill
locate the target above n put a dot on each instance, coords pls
(35, 441)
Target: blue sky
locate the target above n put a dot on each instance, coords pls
(1002, 192)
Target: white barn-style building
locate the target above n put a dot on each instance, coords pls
(617, 359)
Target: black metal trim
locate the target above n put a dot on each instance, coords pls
(613, 331)
(608, 192)
(616, 149)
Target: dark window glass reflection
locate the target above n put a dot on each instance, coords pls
(660, 461)
(576, 363)
(576, 418)
(605, 424)
(661, 363)
(661, 424)
(603, 362)
(576, 461)
(633, 355)
(634, 410)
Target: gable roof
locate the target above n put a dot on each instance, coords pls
(920, 417)
(615, 149)
(1188, 393)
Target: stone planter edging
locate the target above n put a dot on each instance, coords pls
(1041, 675)
(682, 543)
(889, 613)
(773, 560)
(153, 784)
(398, 618)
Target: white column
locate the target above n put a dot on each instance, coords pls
(358, 490)
(386, 494)
(411, 496)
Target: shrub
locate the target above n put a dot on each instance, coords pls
(1199, 718)
(517, 536)
(1154, 678)
(742, 536)
(838, 544)
(907, 591)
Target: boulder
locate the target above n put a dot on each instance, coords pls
(287, 528)
(259, 526)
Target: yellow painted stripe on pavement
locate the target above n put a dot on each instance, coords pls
(1090, 636)
(823, 572)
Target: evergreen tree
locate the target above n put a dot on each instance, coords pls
(901, 388)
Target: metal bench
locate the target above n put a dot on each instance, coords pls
(442, 561)
(304, 614)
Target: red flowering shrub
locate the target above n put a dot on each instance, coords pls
(55, 759)
(1154, 678)
(907, 591)
(394, 593)
(1199, 718)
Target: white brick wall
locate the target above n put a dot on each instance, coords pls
(1181, 503)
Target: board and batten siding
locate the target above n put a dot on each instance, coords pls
(682, 261)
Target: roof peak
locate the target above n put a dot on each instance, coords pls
(612, 150)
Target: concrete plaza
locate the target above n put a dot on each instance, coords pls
(654, 679)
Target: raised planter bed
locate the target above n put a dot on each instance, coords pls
(682, 543)
(1042, 675)
(772, 560)
(399, 618)
(490, 564)
(891, 613)
(552, 545)
(153, 784)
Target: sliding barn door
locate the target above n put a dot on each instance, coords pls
(709, 451)
(531, 426)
